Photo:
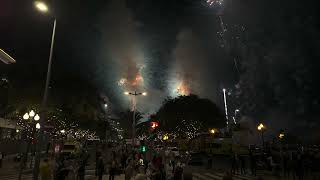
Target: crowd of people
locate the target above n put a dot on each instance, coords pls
(289, 164)
(137, 165)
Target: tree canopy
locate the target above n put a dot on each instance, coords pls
(188, 113)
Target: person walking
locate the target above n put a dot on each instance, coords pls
(45, 170)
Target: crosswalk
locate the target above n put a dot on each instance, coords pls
(219, 176)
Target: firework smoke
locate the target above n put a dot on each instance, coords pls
(123, 45)
(190, 66)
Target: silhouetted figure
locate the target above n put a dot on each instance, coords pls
(100, 168)
(242, 165)
(235, 163)
(300, 167)
(112, 170)
(253, 163)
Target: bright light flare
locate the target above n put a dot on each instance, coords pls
(41, 6)
(261, 127)
(137, 80)
(31, 113)
(144, 93)
(212, 131)
(38, 126)
(126, 93)
(183, 89)
(26, 116)
(281, 135)
(37, 117)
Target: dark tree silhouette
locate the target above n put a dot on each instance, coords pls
(126, 121)
(177, 114)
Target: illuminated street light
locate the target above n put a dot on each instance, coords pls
(31, 113)
(212, 131)
(38, 126)
(134, 94)
(106, 106)
(17, 130)
(37, 117)
(261, 128)
(26, 116)
(62, 131)
(41, 6)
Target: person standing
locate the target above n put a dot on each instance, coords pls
(300, 167)
(129, 170)
(45, 170)
(253, 163)
(242, 165)
(1, 157)
(235, 163)
(81, 170)
(100, 168)
(112, 170)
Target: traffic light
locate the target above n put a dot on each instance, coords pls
(154, 124)
(165, 137)
(143, 149)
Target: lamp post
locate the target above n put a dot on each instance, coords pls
(33, 119)
(43, 8)
(261, 127)
(134, 95)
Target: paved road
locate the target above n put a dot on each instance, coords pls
(13, 174)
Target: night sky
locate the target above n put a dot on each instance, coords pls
(174, 46)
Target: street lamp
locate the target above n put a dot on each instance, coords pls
(38, 126)
(261, 127)
(212, 131)
(43, 7)
(134, 94)
(32, 113)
